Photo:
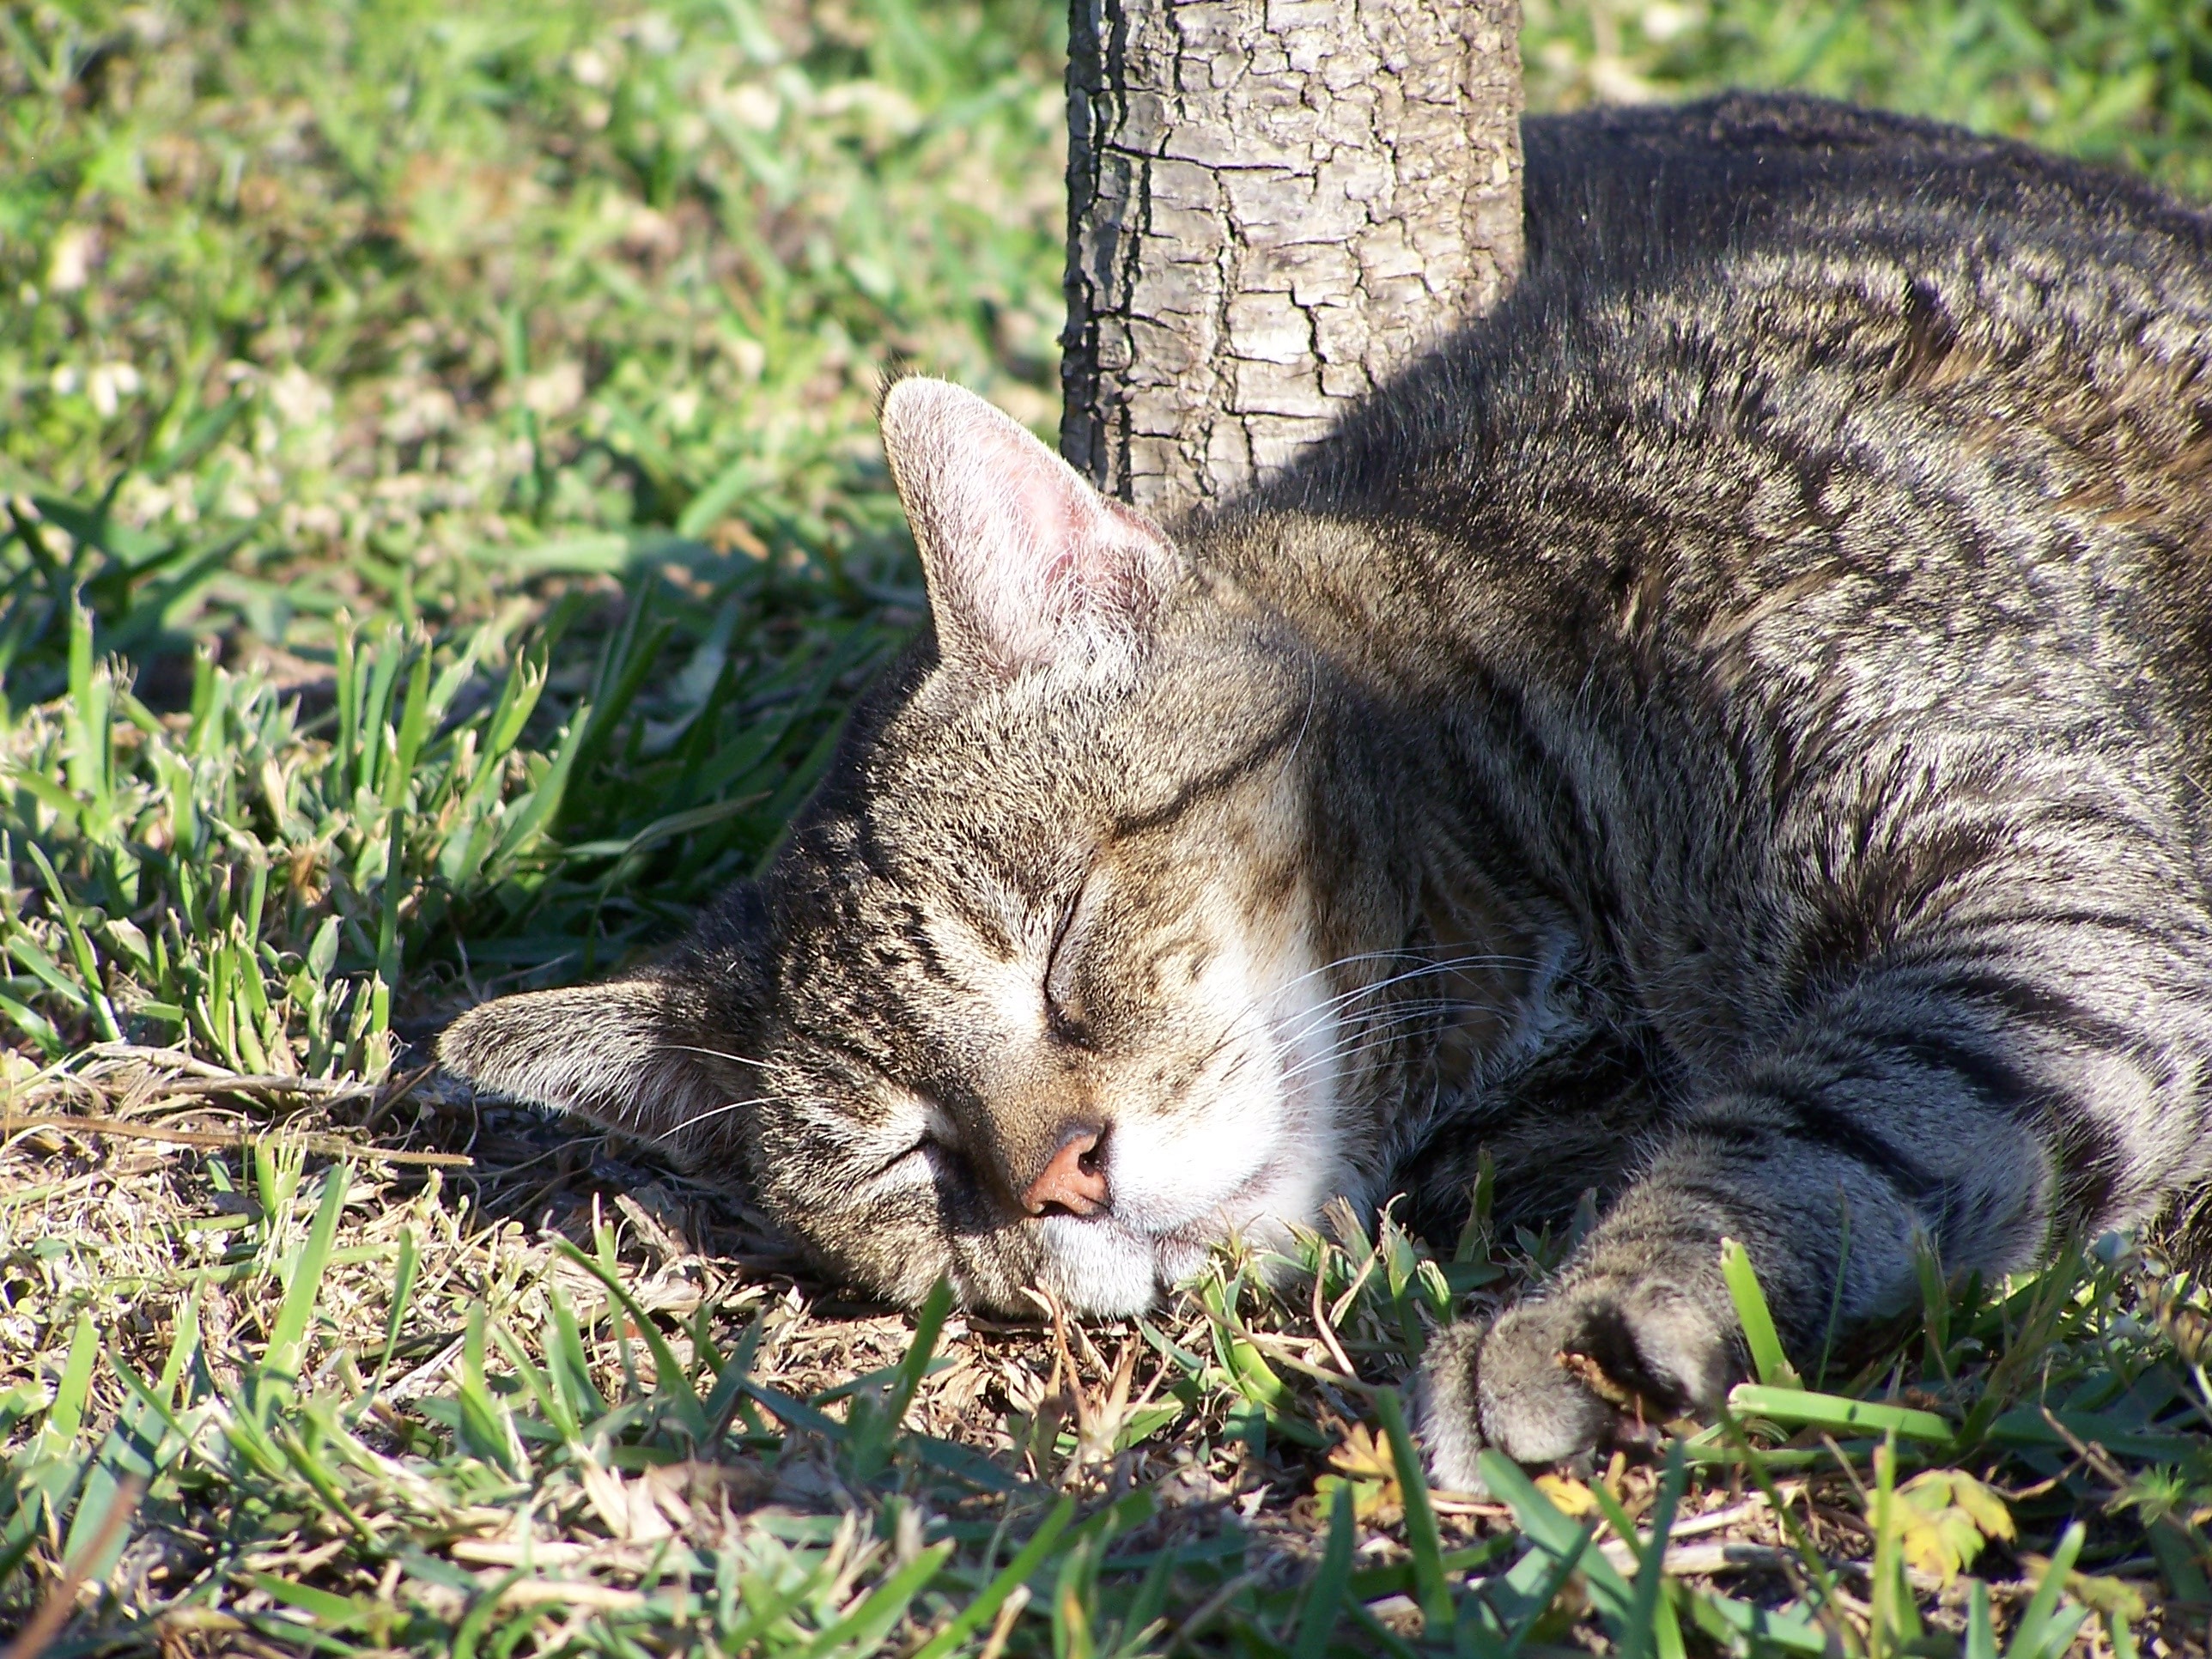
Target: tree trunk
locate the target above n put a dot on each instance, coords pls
(1273, 206)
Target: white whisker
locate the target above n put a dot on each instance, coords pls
(711, 1054)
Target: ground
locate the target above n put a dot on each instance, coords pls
(442, 527)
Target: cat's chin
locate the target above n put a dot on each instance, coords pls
(1103, 1268)
(1100, 1268)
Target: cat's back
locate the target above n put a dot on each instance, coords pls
(1783, 249)
(1902, 394)
(1640, 196)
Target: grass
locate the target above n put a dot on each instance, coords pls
(442, 527)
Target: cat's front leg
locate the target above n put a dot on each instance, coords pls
(1832, 1198)
(1639, 1326)
(1563, 1375)
(2025, 1055)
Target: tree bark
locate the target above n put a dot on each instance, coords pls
(1273, 206)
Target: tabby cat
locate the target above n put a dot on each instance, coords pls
(1728, 732)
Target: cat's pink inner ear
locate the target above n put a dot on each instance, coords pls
(1027, 564)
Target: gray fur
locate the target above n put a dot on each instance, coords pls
(1726, 732)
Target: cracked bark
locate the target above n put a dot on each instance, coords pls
(1273, 205)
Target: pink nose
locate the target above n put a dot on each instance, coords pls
(1072, 1179)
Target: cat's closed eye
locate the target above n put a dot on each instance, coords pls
(931, 1148)
(1064, 1010)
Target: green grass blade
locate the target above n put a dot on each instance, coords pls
(1734, 1623)
(414, 725)
(1027, 1559)
(88, 961)
(552, 1402)
(667, 1369)
(1551, 1532)
(486, 1607)
(183, 1346)
(1892, 1620)
(796, 1413)
(2041, 1631)
(538, 808)
(101, 1530)
(871, 1445)
(1647, 1614)
(870, 1622)
(723, 1399)
(389, 946)
(332, 1613)
(310, 1466)
(280, 1362)
(36, 1026)
(383, 667)
(1432, 1586)
(1834, 1412)
(403, 1292)
(2175, 1548)
(152, 1399)
(66, 1415)
(565, 1359)
(1768, 1362)
(766, 1607)
(487, 1426)
(1325, 1597)
(1536, 1580)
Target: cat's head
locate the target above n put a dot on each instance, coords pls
(1040, 989)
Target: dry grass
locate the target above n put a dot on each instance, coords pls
(473, 1437)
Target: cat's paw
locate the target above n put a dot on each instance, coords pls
(1561, 1376)
(1447, 1414)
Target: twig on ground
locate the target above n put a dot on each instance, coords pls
(1327, 1332)
(1466, 1503)
(1283, 1349)
(269, 1086)
(1696, 1526)
(572, 1592)
(207, 1078)
(1703, 1560)
(1003, 1626)
(395, 1089)
(2092, 1455)
(221, 1141)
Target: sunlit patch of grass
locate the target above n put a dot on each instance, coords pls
(402, 310)
(2127, 85)
(336, 1409)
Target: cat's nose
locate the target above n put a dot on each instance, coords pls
(1074, 1180)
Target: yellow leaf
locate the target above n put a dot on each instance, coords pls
(1941, 1544)
(1945, 1518)
(1363, 1457)
(1572, 1497)
(1371, 1500)
(1365, 1462)
(1986, 1507)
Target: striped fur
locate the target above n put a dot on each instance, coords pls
(1725, 733)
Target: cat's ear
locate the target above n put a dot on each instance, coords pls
(628, 1055)
(1027, 563)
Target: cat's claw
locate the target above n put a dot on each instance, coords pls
(1556, 1378)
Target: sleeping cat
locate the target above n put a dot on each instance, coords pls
(1727, 731)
